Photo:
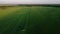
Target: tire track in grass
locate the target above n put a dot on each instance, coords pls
(23, 19)
(25, 22)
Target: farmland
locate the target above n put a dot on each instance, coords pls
(30, 20)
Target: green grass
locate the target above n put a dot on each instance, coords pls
(35, 20)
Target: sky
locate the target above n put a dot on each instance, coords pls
(29, 1)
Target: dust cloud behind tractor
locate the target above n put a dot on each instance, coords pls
(29, 1)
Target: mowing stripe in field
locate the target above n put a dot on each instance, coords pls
(35, 20)
(12, 27)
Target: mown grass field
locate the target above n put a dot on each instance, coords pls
(30, 20)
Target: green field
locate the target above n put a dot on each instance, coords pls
(30, 20)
